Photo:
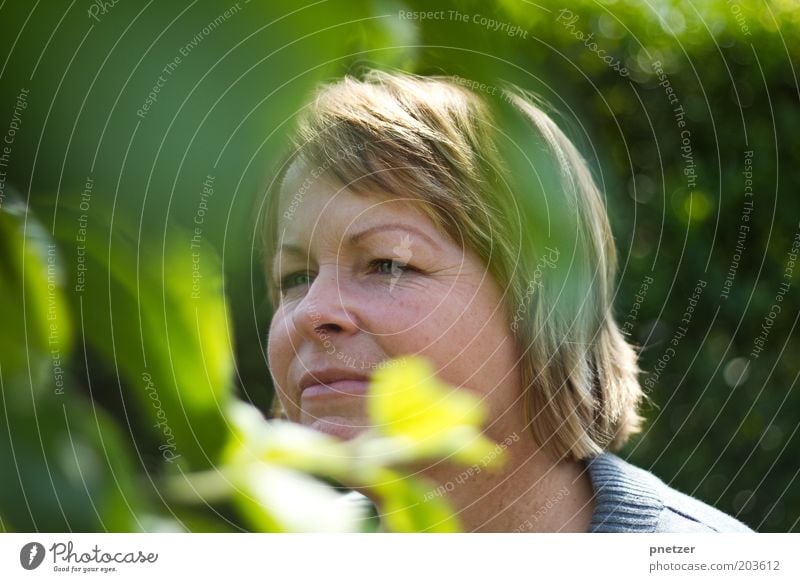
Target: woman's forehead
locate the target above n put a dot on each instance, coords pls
(323, 208)
(308, 189)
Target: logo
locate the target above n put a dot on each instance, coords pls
(403, 254)
(31, 555)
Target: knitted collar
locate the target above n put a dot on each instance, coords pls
(626, 496)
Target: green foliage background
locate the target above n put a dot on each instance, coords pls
(722, 424)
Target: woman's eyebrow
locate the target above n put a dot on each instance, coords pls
(357, 237)
(291, 249)
(286, 249)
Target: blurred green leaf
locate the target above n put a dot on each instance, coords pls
(36, 323)
(158, 316)
(65, 465)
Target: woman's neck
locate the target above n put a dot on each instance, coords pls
(530, 492)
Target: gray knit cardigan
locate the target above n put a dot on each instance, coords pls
(630, 499)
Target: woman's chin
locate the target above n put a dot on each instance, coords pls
(341, 427)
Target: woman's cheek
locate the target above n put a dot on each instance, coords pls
(398, 315)
(418, 301)
(279, 352)
(414, 327)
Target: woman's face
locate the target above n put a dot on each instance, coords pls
(365, 278)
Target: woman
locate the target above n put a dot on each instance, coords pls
(417, 216)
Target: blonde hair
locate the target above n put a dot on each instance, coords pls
(499, 176)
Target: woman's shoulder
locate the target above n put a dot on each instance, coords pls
(631, 499)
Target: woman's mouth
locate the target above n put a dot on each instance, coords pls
(335, 389)
(332, 400)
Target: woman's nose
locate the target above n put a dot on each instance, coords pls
(324, 311)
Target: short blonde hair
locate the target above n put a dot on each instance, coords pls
(499, 176)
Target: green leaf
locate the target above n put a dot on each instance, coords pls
(158, 316)
(409, 505)
(36, 325)
(64, 464)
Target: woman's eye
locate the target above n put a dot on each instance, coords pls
(295, 280)
(388, 266)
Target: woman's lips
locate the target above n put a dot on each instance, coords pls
(335, 408)
(340, 388)
(341, 427)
